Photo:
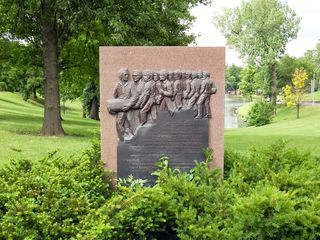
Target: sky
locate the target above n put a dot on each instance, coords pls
(308, 35)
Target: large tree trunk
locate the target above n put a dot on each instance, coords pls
(94, 109)
(52, 120)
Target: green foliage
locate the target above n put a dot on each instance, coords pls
(3, 86)
(169, 210)
(20, 68)
(268, 213)
(72, 32)
(271, 193)
(89, 93)
(49, 198)
(260, 30)
(250, 81)
(311, 60)
(233, 77)
(261, 113)
(84, 26)
(277, 191)
(287, 65)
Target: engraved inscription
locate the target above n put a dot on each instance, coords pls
(181, 137)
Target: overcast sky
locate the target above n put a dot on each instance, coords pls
(308, 36)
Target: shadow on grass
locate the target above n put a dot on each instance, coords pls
(26, 132)
(13, 102)
(36, 103)
(17, 118)
(83, 123)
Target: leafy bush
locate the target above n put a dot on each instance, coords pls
(3, 86)
(49, 198)
(261, 197)
(260, 114)
(271, 193)
(180, 206)
(268, 213)
(277, 191)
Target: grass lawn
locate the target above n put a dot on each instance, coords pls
(309, 96)
(20, 124)
(303, 133)
(244, 110)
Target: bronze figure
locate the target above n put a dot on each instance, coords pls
(177, 89)
(208, 87)
(148, 97)
(125, 96)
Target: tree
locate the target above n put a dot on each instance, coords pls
(47, 25)
(170, 20)
(293, 96)
(233, 78)
(20, 69)
(250, 81)
(50, 25)
(259, 30)
(312, 59)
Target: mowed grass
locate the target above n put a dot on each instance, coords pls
(312, 96)
(21, 122)
(303, 133)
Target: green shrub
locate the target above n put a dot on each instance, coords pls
(277, 193)
(268, 213)
(3, 86)
(49, 198)
(271, 193)
(260, 114)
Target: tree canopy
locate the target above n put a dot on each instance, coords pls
(67, 34)
(259, 30)
(233, 77)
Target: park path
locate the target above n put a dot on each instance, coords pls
(311, 103)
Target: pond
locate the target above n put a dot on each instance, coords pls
(232, 103)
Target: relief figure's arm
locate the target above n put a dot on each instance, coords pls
(187, 91)
(115, 92)
(134, 96)
(202, 87)
(175, 88)
(145, 96)
(192, 91)
(168, 92)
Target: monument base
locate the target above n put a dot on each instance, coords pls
(180, 137)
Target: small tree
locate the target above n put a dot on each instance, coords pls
(294, 95)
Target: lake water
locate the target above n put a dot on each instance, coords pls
(232, 103)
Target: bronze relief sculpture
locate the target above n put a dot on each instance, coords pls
(137, 102)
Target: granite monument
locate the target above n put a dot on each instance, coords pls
(160, 108)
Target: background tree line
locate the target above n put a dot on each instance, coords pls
(249, 80)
